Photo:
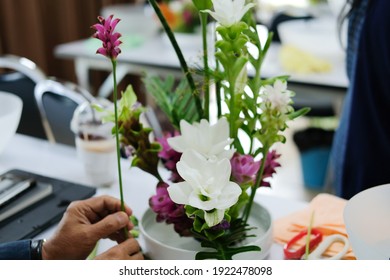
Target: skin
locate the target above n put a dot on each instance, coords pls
(84, 224)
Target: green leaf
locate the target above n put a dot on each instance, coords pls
(202, 4)
(300, 112)
(176, 101)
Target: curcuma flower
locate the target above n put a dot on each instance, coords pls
(169, 211)
(229, 12)
(206, 186)
(277, 96)
(244, 168)
(209, 140)
(105, 32)
(169, 156)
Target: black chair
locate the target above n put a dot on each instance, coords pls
(19, 76)
(57, 101)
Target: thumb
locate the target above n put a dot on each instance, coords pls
(110, 224)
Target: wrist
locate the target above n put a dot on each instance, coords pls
(36, 247)
(47, 250)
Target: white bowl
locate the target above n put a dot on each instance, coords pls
(161, 242)
(367, 220)
(10, 111)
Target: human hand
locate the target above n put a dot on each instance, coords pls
(127, 250)
(85, 223)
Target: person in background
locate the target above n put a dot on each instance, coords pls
(361, 147)
(84, 223)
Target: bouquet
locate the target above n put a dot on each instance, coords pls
(226, 125)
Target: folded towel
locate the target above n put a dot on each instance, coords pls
(328, 218)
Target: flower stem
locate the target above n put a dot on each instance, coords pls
(232, 106)
(203, 20)
(125, 230)
(308, 237)
(254, 188)
(180, 56)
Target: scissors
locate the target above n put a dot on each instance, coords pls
(317, 246)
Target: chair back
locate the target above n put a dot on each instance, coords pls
(57, 101)
(19, 77)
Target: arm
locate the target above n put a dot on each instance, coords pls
(16, 250)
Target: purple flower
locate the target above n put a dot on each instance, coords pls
(244, 168)
(105, 33)
(169, 211)
(223, 225)
(270, 167)
(161, 202)
(170, 157)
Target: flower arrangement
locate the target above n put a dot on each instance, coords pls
(217, 161)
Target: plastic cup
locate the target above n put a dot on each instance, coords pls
(367, 221)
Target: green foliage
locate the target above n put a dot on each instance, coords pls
(202, 4)
(133, 133)
(176, 101)
(227, 244)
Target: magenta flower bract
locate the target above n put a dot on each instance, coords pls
(105, 32)
(245, 168)
(169, 211)
(170, 157)
(270, 167)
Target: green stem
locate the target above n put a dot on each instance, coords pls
(125, 230)
(179, 54)
(221, 251)
(254, 188)
(308, 237)
(203, 20)
(218, 86)
(218, 97)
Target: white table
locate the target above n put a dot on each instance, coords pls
(60, 161)
(156, 55)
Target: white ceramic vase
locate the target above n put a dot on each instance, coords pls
(161, 242)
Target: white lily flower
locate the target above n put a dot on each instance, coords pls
(206, 186)
(209, 140)
(278, 96)
(229, 12)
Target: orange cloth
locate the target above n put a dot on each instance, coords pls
(328, 218)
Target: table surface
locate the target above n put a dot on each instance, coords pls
(156, 53)
(61, 161)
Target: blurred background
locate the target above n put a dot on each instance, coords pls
(308, 45)
(33, 28)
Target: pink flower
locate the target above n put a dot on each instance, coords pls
(169, 211)
(270, 167)
(244, 168)
(170, 157)
(105, 33)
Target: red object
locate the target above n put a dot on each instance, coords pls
(316, 238)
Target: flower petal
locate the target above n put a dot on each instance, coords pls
(180, 192)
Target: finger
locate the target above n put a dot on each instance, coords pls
(110, 224)
(128, 250)
(137, 256)
(101, 206)
(120, 236)
(130, 246)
